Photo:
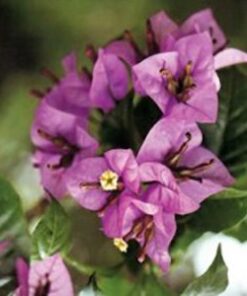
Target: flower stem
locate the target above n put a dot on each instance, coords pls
(89, 270)
(82, 268)
(134, 136)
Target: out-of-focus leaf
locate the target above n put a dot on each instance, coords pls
(12, 221)
(116, 285)
(146, 284)
(239, 231)
(52, 233)
(230, 193)
(228, 137)
(7, 285)
(150, 285)
(220, 212)
(212, 282)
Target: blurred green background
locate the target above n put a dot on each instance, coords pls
(37, 33)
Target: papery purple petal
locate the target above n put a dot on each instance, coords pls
(56, 123)
(118, 217)
(22, 271)
(201, 107)
(86, 172)
(155, 172)
(173, 201)
(110, 81)
(158, 247)
(123, 50)
(71, 104)
(214, 179)
(69, 62)
(166, 136)
(198, 49)
(53, 180)
(148, 76)
(51, 273)
(202, 21)
(162, 26)
(229, 57)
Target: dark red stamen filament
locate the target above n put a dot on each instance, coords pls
(69, 150)
(91, 53)
(129, 37)
(184, 172)
(152, 46)
(37, 93)
(181, 86)
(143, 226)
(43, 289)
(49, 74)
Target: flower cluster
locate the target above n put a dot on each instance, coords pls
(137, 194)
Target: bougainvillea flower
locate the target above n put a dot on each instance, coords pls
(97, 182)
(61, 141)
(164, 29)
(161, 28)
(144, 221)
(110, 81)
(123, 50)
(202, 21)
(183, 82)
(175, 145)
(47, 277)
(71, 93)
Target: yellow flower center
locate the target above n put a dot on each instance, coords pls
(120, 244)
(109, 180)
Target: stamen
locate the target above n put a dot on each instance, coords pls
(43, 287)
(175, 157)
(37, 93)
(129, 37)
(172, 85)
(188, 68)
(142, 226)
(60, 142)
(150, 39)
(109, 180)
(89, 185)
(49, 74)
(91, 53)
(148, 235)
(120, 244)
(188, 172)
(110, 200)
(202, 166)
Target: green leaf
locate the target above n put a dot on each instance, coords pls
(220, 212)
(116, 285)
(239, 231)
(52, 233)
(230, 193)
(12, 221)
(228, 137)
(152, 286)
(212, 282)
